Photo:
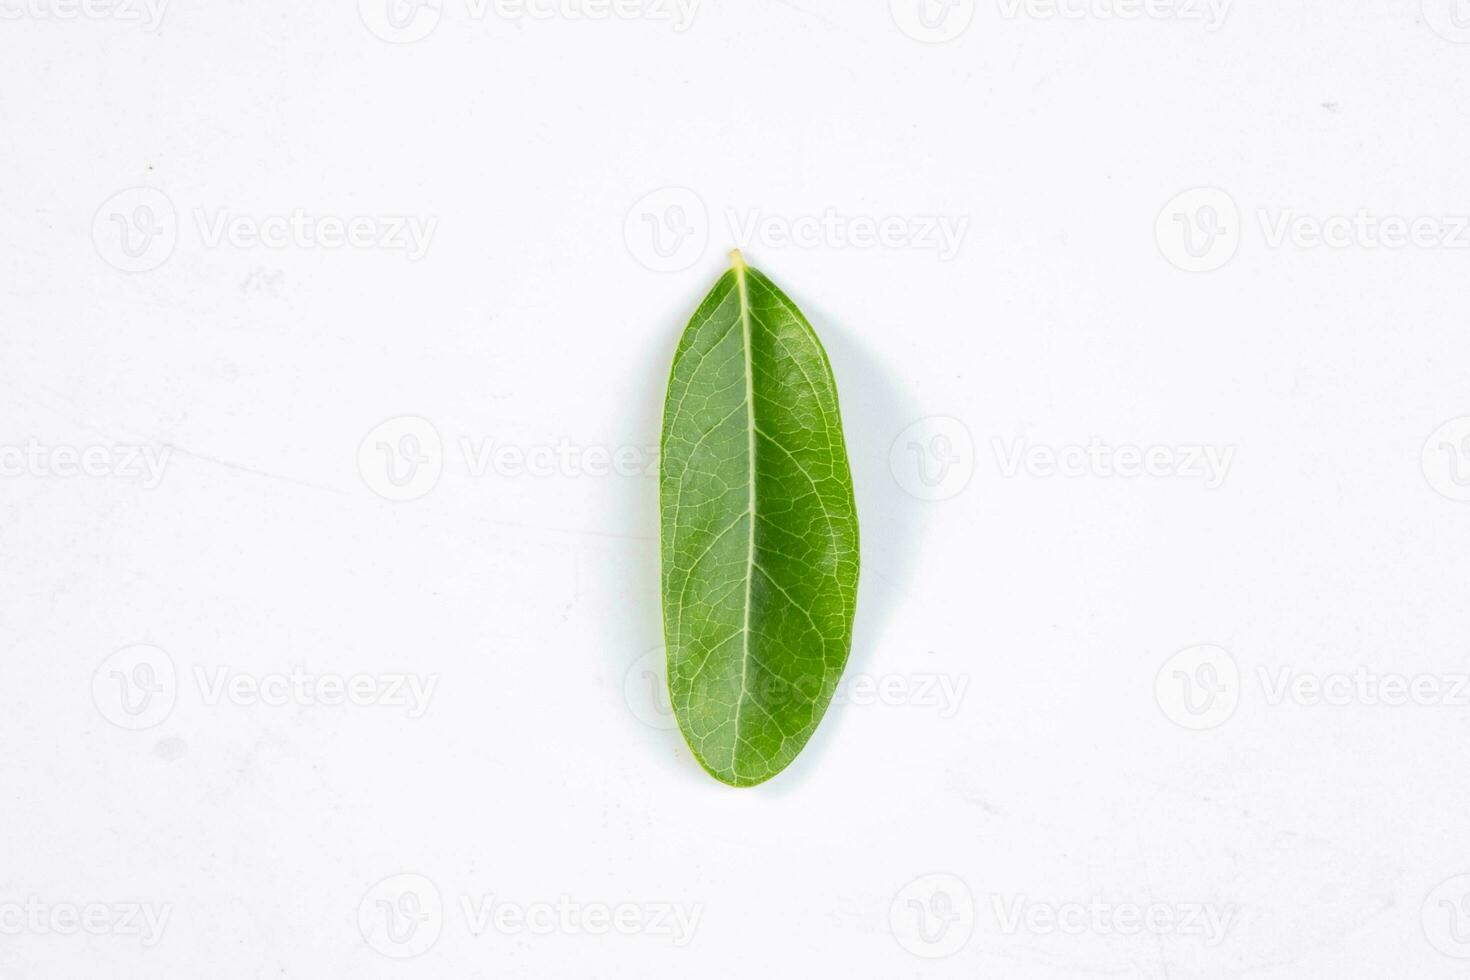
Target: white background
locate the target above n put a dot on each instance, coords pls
(1088, 759)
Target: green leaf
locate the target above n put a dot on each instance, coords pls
(759, 531)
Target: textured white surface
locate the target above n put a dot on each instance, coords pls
(1069, 690)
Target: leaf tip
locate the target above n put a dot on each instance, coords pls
(736, 259)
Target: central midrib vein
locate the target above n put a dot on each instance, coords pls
(740, 283)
